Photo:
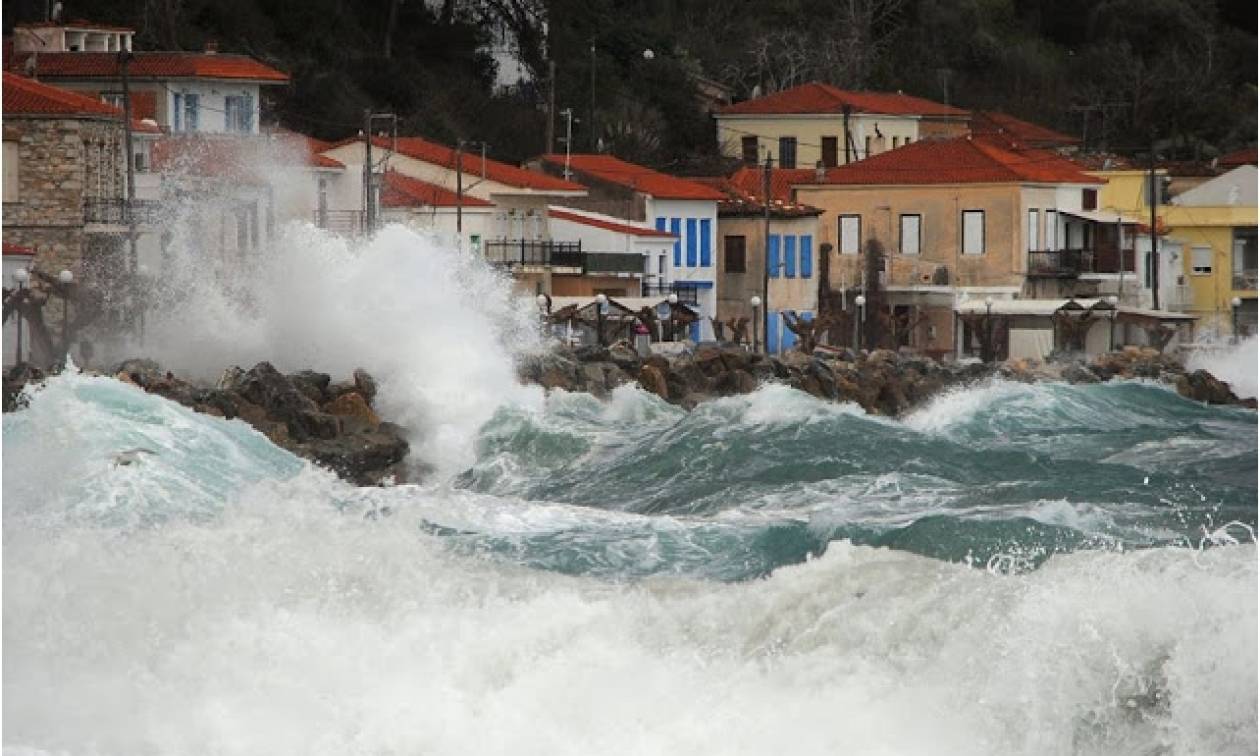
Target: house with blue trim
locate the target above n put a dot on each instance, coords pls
(688, 210)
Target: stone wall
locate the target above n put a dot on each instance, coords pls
(62, 162)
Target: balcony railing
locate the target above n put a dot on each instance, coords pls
(555, 254)
(1063, 263)
(1244, 280)
(1108, 260)
(118, 212)
(686, 294)
(351, 222)
(612, 262)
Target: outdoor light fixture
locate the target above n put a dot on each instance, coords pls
(21, 275)
(673, 300)
(601, 301)
(65, 277)
(1113, 300)
(756, 303)
(648, 54)
(1233, 315)
(860, 301)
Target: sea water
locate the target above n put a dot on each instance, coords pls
(1010, 569)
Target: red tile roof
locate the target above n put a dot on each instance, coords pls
(745, 193)
(439, 154)
(405, 191)
(17, 249)
(816, 97)
(991, 122)
(1240, 157)
(310, 146)
(636, 177)
(24, 96)
(146, 65)
(964, 160)
(608, 224)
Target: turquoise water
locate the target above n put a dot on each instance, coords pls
(1040, 569)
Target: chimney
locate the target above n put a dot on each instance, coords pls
(820, 172)
(212, 46)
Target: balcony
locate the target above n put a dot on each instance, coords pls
(348, 222)
(117, 211)
(1244, 280)
(1112, 260)
(612, 262)
(1063, 263)
(687, 295)
(534, 252)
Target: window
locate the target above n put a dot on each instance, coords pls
(239, 113)
(868, 148)
(896, 142)
(1201, 260)
(772, 257)
(112, 98)
(186, 111)
(807, 256)
(905, 141)
(1034, 217)
(177, 111)
(973, 232)
(1244, 264)
(789, 256)
(829, 149)
(734, 258)
(787, 152)
(850, 234)
(910, 225)
(1089, 199)
(691, 242)
(11, 171)
(675, 228)
(1052, 230)
(749, 146)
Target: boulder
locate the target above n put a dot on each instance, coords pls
(366, 384)
(268, 388)
(363, 458)
(314, 385)
(354, 412)
(15, 380)
(1202, 386)
(138, 371)
(623, 356)
(652, 380)
(1077, 372)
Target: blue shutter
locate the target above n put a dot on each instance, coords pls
(807, 256)
(179, 112)
(691, 242)
(789, 256)
(772, 331)
(789, 336)
(706, 243)
(660, 224)
(772, 257)
(675, 228)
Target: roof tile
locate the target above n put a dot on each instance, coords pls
(405, 191)
(636, 177)
(441, 155)
(150, 65)
(23, 96)
(816, 97)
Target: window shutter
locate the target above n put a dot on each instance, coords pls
(706, 243)
(910, 234)
(789, 256)
(675, 227)
(807, 256)
(772, 257)
(850, 234)
(691, 242)
(973, 232)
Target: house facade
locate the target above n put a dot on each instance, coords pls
(687, 210)
(965, 219)
(806, 125)
(206, 92)
(616, 254)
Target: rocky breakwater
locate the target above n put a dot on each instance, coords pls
(882, 382)
(331, 423)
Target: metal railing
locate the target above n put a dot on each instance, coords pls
(1244, 280)
(556, 254)
(1063, 263)
(686, 294)
(352, 222)
(118, 212)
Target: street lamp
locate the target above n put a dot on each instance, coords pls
(860, 301)
(21, 276)
(543, 309)
(601, 300)
(1237, 304)
(1113, 300)
(648, 54)
(673, 300)
(987, 347)
(66, 278)
(756, 304)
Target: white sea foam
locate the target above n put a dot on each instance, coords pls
(1236, 364)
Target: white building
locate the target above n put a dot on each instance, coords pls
(204, 92)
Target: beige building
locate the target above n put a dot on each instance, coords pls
(806, 125)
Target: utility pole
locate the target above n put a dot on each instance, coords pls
(124, 60)
(369, 212)
(568, 140)
(459, 191)
(591, 126)
(765, 254)
(551, 109)
(848, 135)
(1154, 234)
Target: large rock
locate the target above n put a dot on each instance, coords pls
(363, 458)
(366, 384)
(354, 412)
(268, 388)
(15, 380)
(1204, 387)
(314, 385)
(652, 380)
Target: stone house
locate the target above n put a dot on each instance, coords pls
(806, 125)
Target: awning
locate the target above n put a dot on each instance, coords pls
(1100, 216)
(1030, 307)
(629, 305)
(1139, 313)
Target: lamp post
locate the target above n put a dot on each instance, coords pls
(1114, 301)
(543, 309)
(860, 301)
(601, 301)
(756, 305)
(66, 278)
(673, 300)
(986, 355)
(1237, 304)
(21, 276)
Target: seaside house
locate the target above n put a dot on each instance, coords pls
(205, 92)
(806, 125)
(788, 279)
(1214, 225)
(516, 235)
(973, 219)
(685, 209)
(616, 254)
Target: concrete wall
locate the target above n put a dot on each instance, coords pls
(589, 286)
(688, 218)
(735, 289)
(809, 131)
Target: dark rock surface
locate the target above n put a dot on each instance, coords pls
(881, 382)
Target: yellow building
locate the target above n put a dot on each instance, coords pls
(1215, 226)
